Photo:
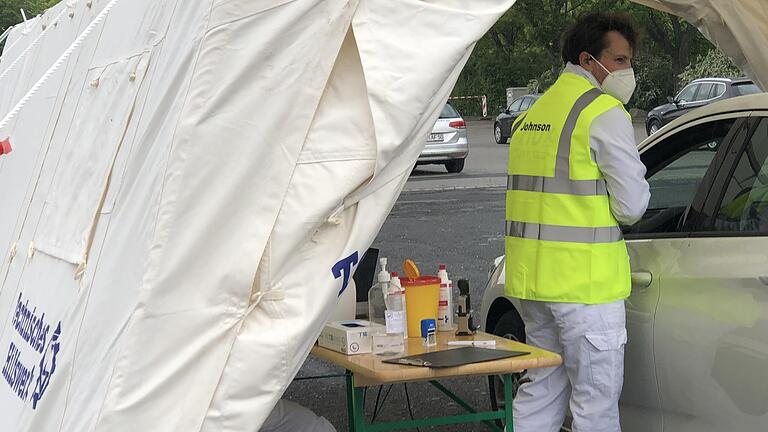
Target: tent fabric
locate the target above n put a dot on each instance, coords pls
(737, 27)
(191, 190)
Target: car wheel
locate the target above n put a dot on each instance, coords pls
(653, 126)
(497, 135)
(455, 166)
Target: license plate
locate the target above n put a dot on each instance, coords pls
(435, 137)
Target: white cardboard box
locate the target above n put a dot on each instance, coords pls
(349, 337)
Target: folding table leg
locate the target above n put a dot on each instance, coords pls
(508, 403)
(355, 405)
(359, 408)
(350, 402)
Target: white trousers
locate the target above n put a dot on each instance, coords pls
(288, 416)
(591, 340)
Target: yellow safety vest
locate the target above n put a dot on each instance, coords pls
(562, 242)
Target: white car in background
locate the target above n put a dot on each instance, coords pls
(447, 142)
(697, 316)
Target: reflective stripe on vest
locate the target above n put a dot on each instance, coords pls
(556, 185)
(563, 233)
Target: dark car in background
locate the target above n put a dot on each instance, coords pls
(698, 93)
(503, 125)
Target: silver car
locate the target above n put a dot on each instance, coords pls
(447, 143)
(697, 317)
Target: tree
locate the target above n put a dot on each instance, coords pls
(524, 48)
(670, 36)
(713, 64)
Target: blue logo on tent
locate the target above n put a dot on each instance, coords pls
(33, 331)
(47, 367)
(344, 268)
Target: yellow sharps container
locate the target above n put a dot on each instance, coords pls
(422, 295)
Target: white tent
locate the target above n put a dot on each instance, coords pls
(739, 28)
(190, 187)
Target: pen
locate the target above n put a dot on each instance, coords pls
(477, 343)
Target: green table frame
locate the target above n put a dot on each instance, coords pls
(357, 422)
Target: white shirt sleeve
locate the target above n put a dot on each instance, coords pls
(612, 139)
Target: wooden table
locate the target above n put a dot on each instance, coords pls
(365, 370)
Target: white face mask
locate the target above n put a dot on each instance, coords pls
(619, 84)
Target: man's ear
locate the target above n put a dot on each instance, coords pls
(584, 59)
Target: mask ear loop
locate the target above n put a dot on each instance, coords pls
(601, 65)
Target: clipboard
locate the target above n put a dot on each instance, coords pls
(454, 357)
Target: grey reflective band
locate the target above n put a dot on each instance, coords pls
(556, 185)
(516, 124)
(563, 233)
(562, 167)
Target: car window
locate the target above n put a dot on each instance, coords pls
(516, 105)
(449, 112)
(686, 95)
(702, 93)
(676, 166)
(742, 89)
(526, 104)
(744, 207)
(717, 91)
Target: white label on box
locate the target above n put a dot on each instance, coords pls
(395, 321)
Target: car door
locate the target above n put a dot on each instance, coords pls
(681, 103)
(512, 113)
(712, 319)
(680, 168)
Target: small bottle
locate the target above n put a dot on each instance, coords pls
(378, 293)
(445, 307)
(396, 288)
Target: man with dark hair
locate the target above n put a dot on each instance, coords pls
(574, 176)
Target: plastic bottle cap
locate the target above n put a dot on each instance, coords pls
(442, 267)
(394, 274)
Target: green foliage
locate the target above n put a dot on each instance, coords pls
(523, 50)
(713, 64)
(10, 14)
(654, 80)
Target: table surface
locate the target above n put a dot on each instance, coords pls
(369, 369)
